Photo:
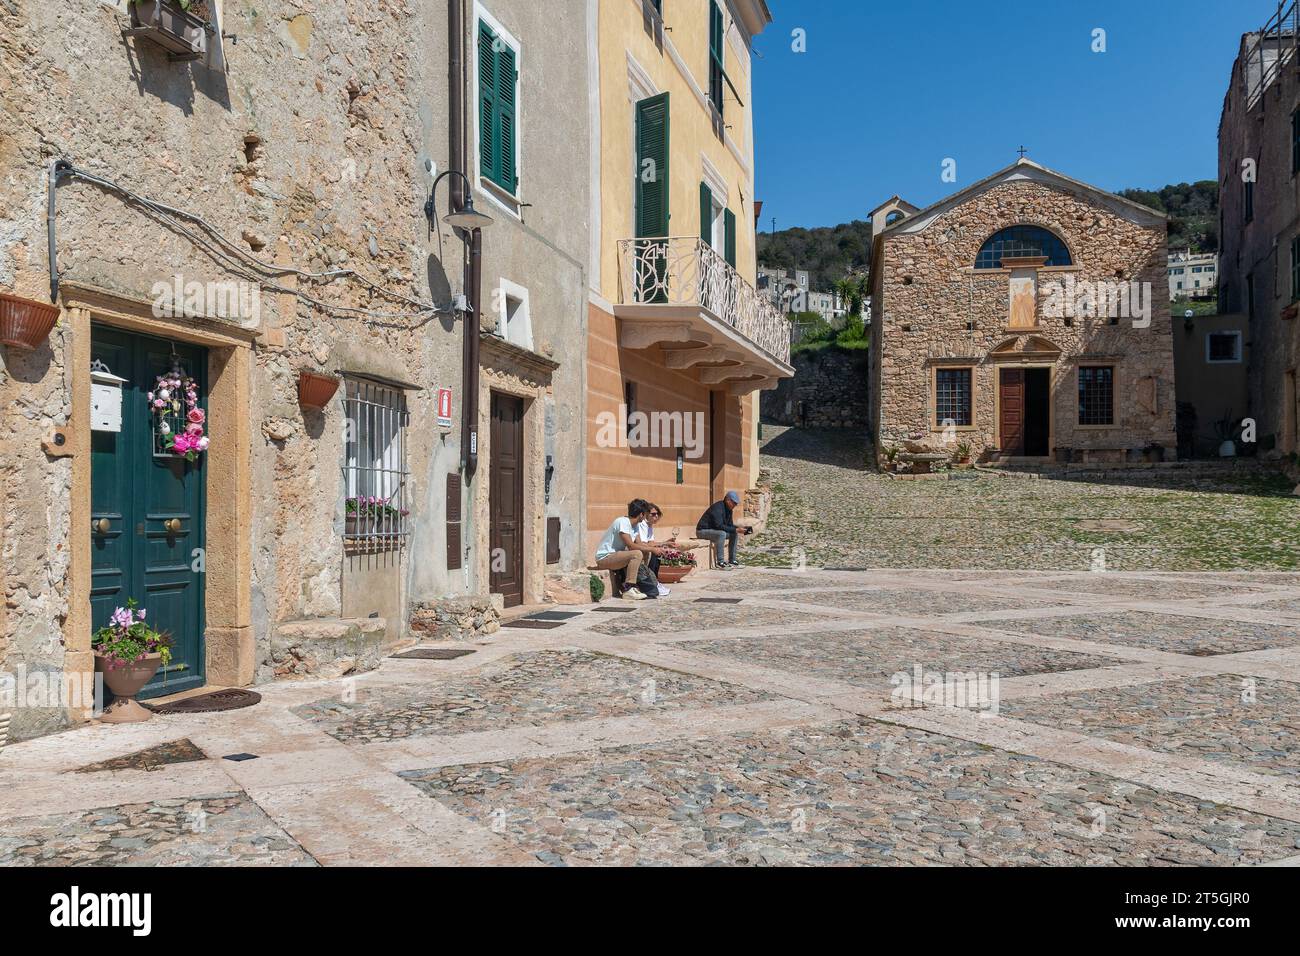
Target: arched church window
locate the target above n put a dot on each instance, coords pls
(1018, 241)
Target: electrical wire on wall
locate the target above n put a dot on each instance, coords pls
(235, 259)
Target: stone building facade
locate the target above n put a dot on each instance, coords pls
(1025, 316)
(676, 330)
(294, 165)
(1259, 254)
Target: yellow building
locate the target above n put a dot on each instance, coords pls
(679, 343)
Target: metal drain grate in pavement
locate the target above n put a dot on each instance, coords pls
(534, 625)
(554, 616)
(431, 654)
(718, 600)
(615, 610)
(231, 699)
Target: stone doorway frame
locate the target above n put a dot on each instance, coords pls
(228, 636)
(1053, 382)
(512, 370)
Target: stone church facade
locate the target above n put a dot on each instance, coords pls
(1023, 318)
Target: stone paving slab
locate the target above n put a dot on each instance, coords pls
(1180, 634)
(663, 617)
(528, 689)
(913, 602)
(870, 658)
(222, 829)
(853, 792)
(1244, 722)
(1110, 585)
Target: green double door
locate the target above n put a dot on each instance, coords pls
(147, 508)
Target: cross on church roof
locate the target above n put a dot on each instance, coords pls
(1022, 152)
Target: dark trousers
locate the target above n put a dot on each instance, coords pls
(718, 537)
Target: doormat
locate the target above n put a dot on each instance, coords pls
(718, 600)
(553, 615)
(155, 758)
(431, 654)
(532, 625)
(616, 610)
(232, 698)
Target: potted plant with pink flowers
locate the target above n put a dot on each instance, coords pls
(128, 652)
(179, 421)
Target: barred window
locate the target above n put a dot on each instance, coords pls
(952, 396)
(1096, 395)
(1223, 347)
(374, 466)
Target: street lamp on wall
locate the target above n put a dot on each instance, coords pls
(467, 217)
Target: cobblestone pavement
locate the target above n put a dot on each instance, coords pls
(830, 510)
(830, 717)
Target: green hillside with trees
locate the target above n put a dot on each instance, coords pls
(831, 252)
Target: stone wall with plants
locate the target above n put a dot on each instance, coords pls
(829, 390)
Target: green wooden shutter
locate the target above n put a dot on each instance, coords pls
(487, 103)
(507, 119)
(706, 214)
(652, 129)
(729, 223)
(716, 61)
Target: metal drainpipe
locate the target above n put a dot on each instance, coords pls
(472, 277)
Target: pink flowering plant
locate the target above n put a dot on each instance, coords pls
(673, 558)
(175, 404)
(126, 638)
(372, 507)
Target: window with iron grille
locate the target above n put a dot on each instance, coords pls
(1096, 395)
(374, 466)
(952, 397)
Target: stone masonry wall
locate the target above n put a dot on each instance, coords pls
(928, 292)
(829, 390)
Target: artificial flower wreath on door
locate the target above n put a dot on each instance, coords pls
(178, 420)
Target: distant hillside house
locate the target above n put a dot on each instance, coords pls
(1026, 317)
(1193, 276)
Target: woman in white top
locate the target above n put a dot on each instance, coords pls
(645, 532)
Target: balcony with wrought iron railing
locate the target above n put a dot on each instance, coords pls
(679, 293)
(1269, 51)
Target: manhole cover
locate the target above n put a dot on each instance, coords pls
(718, 600)
(232, 699)
(532, 625)
(432, 654)
(554, 615)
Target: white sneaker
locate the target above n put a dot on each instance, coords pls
(663, 591)
(632, 594)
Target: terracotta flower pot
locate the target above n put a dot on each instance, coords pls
(315, 390)
(25, 323)
(674, 573)
(125, 682)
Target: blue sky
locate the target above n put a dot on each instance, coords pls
(888, 89)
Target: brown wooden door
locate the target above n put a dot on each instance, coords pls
(506, 498)
(1011, 403)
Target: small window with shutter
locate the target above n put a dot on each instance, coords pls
(498, 106)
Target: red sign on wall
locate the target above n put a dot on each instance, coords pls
(444, 408)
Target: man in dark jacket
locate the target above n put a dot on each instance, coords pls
(716, 525)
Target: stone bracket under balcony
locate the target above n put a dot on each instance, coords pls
(694, 338)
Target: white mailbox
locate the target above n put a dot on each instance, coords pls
(105, 398)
